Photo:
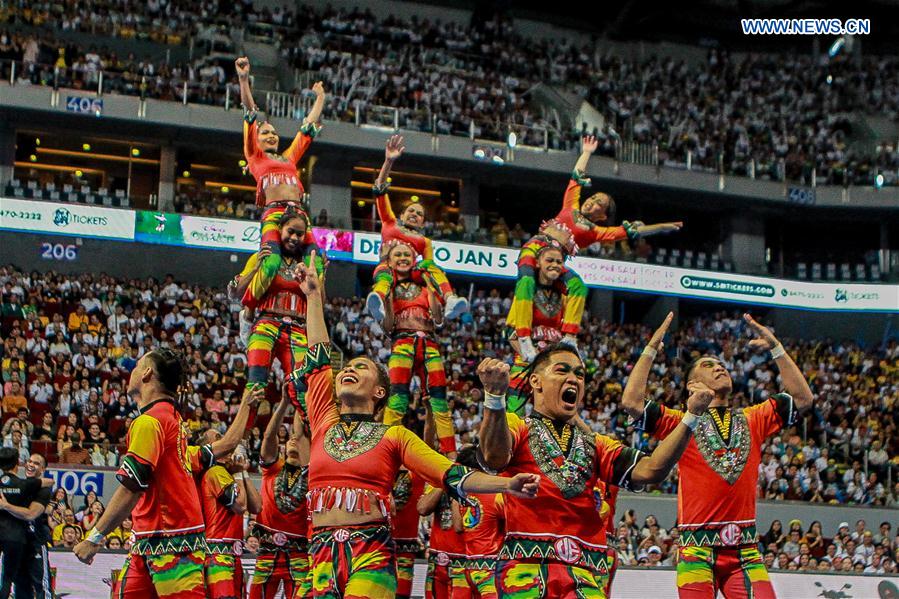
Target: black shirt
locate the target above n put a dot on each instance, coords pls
(40, 527)
(19, 492)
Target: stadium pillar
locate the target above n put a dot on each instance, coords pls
(744, 243)
(469, 204)
(7, 155)
(660, 309)
(330, 190)
(885, 257)
(167, 165)
(602, 304)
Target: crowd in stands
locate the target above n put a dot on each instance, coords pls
(796, 547)
(766, 115)
(69, 343)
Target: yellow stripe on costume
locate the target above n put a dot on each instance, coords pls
(145, 439)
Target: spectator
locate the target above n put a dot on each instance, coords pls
(75, 454)
(14, 400)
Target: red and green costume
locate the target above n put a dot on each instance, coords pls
(417, 353)
(484, 522)
(407, 490)
(555, 544)
(425, 271)
(224, 534)
(446, 552)
(583, 233)
(353, 467)
(169, 550)
(282, 528)
(270, 169)
(716, 496)
(279, 330)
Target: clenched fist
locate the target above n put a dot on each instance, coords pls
(700, 398)
(494, 375)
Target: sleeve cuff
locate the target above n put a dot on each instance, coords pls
(632, 229)
(624, 467)
(453, 479)
(581, 178)
(228, 496)
(310, 129)
(379, 190)
(250, 115)
(134, 474)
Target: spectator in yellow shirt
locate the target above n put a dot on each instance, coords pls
(77, 318)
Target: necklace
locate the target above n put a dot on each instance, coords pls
(723, 426)
(564, 440)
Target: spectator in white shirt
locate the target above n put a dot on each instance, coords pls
(40, 390)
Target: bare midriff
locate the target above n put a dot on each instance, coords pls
(414, 320)
(282, 193)
(339, 516)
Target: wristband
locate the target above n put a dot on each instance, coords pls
(494, 402)
(778, 351)
(650, 351)
(690, 420)
(239, 476)
(95, 536)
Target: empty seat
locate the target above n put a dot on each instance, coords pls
(126, 202)
(120, 193)
(875, 272)
(688, 258)
(67, 188)
(55, 196)
(860, 272)
(816, 271)
(802, 270)
(50, 186)
(85, 189)
(831, 271)
(32, 185)
(845, 272)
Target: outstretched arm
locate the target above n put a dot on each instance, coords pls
(242, 65)
(393, 151)
(496, 438)
(649, 230)
(268, 451)
(315, 113)
(793, 380)
(316, 329)
(120, 506)
(655, 467)
(588, 146)
(235, 432)
(635, 390)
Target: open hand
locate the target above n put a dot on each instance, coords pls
(765, 339)
(318, 88)
(655, 341)
(589, 143)
(494, 375)
(395, 147)
(253, 394)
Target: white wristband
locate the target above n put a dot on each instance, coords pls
(95, 536)
(494, 402)
(778, 351)
(690, 420)
(650, 351)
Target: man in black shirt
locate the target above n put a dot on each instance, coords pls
(16, 492)
(34, 570)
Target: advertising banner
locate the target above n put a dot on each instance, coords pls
(75, 581)
(225, 234)
(76, 220)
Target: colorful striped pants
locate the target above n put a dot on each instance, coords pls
(405, 573)
(167, 576)
(282, 338)
(417, 353)
(353, 562)
(521, 314)
(425, 272)
(275, 566)
(547, 580)
(737, 572)
(473, 583)
(224, 576)
(439, 583)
